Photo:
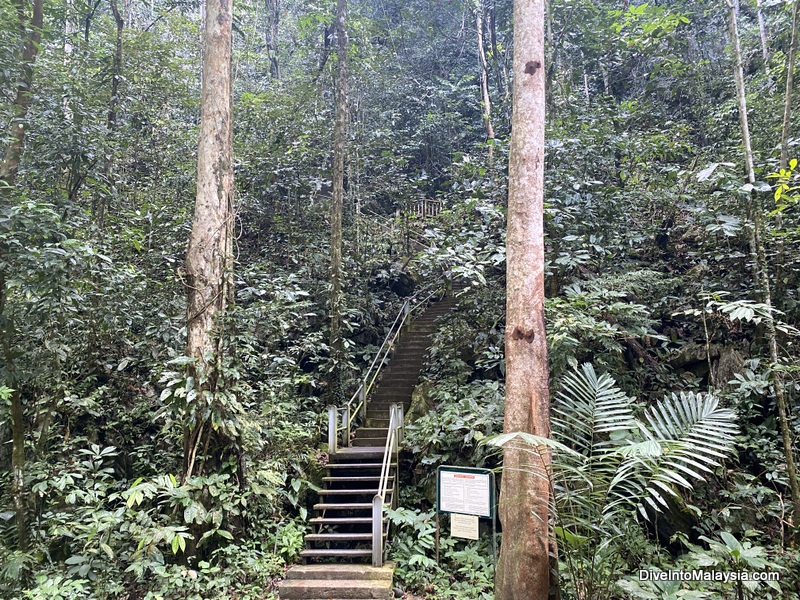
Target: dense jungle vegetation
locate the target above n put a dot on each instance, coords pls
(658, 242)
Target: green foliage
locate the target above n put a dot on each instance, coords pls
(467, 572)
(645, 214)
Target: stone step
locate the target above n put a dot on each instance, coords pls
(350, 465)
(354, 479)
(367, 441)
(340, 520)
(339, 537)
(380, 413)
(359, 454)
(398, 397)
(349, 572)
(377, 413)
(344, 505)
(335, 552)
(349, 492)
(397, 388)
(295, 589)
(373, 431)
(394, 397)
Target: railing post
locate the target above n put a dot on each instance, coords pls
(398, 414)
(401, 428)
(362, 398)
(346, 426)
(377, 531)
(332, 446)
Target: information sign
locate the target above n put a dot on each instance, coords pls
(464, 526)
(465, 492)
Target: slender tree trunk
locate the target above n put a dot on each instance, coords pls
(787, 106)
(548, 38)
(523, 570)
(486, 101)
(786, 127)
(760, 269)
(273, 20)
(91, 7)
(209, 257)
(762, 30)
(741, 97)
(499, 73)
(30, 34)
(113, 104)
(337, 198)
(117, 69)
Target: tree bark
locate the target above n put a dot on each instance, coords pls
(209, 257)
(523, 570)
(337, 199)
(760, 268)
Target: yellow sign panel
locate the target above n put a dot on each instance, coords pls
(464, 526)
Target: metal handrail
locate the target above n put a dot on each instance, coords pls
(393, 440)
(418, 239)
(357, 405)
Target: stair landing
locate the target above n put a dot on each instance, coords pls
(338, 582)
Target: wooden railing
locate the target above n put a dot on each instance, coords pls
(424, 208)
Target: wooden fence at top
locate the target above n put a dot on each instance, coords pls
(426, 208)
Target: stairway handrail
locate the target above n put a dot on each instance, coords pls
(357, 405)
(392, 447)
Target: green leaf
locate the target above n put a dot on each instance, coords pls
(107, 549)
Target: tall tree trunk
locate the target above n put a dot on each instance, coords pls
(91, 10)
(337, 199)
(499, 72)
(762, 31)
(209, 257)
(523, 570)
(786, 127)
(273, 20)
(787, 106)
(485, 100)
(113, 104)
(760, 268)
(117, 68)
(30, 34)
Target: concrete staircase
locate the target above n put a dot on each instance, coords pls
(342, 582)
(343, 523)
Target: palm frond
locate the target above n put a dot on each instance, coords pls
(685, 437)
(588, 408)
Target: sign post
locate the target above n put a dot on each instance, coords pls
(467, 494)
